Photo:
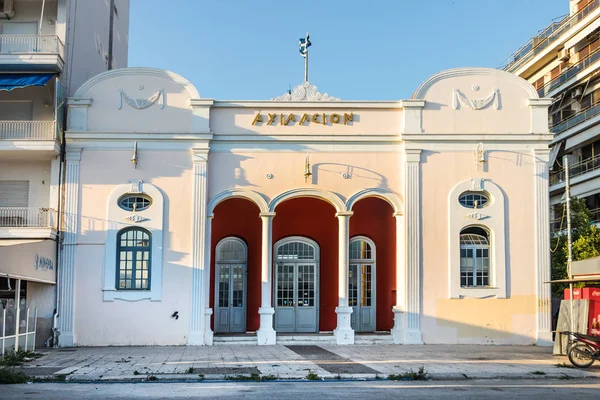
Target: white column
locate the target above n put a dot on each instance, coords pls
(398, 309)
(66, 272)
(412, 215)
(199, 200)
(266, 334)
(344, 334)
(542, 249)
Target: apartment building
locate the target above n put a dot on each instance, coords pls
(563, 63)
(47, 47)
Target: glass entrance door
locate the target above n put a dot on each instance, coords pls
(295, 297)
(230, 313)
(361, 284)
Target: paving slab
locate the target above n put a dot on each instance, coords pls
(323, 361)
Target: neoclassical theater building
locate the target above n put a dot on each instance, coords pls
(189, 220)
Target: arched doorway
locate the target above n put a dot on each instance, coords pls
(296, 295)
(230, 285)
(361, 284)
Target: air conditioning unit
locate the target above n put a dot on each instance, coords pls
(576, 93)
(7, 9)
(564, 55)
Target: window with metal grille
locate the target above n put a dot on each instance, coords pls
(474, 257)
(133, 259)
(473, 199)
(135, 202)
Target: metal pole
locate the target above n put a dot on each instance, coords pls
(18, 313)
(41, 18)
(569, 244)
(306, 66)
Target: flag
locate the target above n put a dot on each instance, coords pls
(304, 45)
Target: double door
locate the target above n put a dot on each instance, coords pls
(361, 296)
(230, 302)
(296, 297)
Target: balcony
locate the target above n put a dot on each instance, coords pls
(28, 222)
(29, 135)
(31, 53)
(560, 224)
(576, 119)
(575, 170)
(569, 73)
(548, 36)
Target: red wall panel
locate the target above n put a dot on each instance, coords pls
(240, 218)
(316, 220)
(374, 219)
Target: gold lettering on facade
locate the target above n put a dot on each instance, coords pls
(348, 118)
(257, 119)
(304, 119)
(290, 118)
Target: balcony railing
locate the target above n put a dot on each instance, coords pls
(569, 73)
(27, 217)
(580, 168)
(560, 224)
(27, 130)
(31, 44)
(546, 37)
(576, 119)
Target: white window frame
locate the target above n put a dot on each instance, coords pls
(491, 218)
(474, 257)
(150, 219)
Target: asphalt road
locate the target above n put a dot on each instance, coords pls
(527, 389)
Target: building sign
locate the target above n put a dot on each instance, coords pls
(304, 119)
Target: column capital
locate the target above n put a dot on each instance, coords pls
(413, 156)
(344, 214)
(73, 154)
(398, 214)
(542, 155)
(200, 155)
(267, 214)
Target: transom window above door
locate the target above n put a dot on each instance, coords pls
(360, 250)
(296, 251)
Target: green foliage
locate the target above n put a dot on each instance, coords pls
(586, 244)
(18, 357)
(311, 376)
(8, 376)
(420, 375)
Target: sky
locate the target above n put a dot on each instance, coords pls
(361, 49)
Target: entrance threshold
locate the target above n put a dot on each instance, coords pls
(297, 338)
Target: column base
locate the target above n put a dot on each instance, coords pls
(266, 335)
(208, 333)
(544, 339)
(195, 339)
(413, 336)
(66, 340)
(344, 334)
(398, 329)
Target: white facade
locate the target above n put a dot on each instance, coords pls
(45, 51)
(317, 175)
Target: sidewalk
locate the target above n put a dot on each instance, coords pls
(440, 362)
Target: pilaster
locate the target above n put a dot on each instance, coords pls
(542, 249)
(66, 282)
(266, 335)
(199, 268)
(412, 190)
(344, 334)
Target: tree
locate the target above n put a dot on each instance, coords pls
(586, 243)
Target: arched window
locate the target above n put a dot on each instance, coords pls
(474, 257)
(133, 259)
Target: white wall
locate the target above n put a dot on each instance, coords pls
(38, 175)
(30, 11)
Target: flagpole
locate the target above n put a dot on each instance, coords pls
(306, 61)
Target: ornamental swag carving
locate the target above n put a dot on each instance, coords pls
(140, 104)
(458, 96)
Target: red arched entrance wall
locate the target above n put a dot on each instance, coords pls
(240, 218)
(316, 220)
(374, 219)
